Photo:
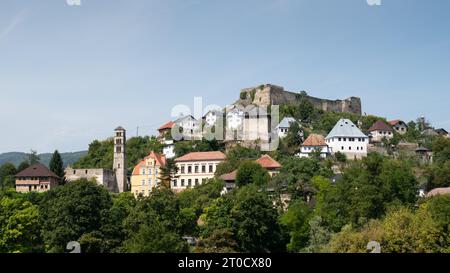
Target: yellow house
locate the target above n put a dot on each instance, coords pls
(145, 176)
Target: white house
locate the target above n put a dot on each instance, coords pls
(348, 139)
(313, 144)
(283, 127)
(379, 131)
(399, 126)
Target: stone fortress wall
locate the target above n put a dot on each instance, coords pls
(269, 94)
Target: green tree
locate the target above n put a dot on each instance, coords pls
(19, 226)
(296, 222)
(157, 224)
(168, 173)
(7, 173)
(33, 157)
(22, 166)
(71, 211)
(56, 164)
(250, 172)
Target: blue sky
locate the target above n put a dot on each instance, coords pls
(71, 74)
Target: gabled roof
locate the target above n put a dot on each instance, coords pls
(181, 119)
(286, 122)
(379, 125)
(166, 126)
(442, 131)
(314, 140)
(202, 156)
(37, 170)
(229, 176)
(160, 161)
(345, 128)
(267, 162)
(395, 122)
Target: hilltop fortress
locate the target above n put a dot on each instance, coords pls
(268, 94)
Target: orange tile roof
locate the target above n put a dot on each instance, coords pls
(314, 140)
(394, 122)
(267, 162)
(202, 156)
(159, 158)
(229, 176)
(166, 126)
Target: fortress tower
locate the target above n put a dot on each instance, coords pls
(120, 161)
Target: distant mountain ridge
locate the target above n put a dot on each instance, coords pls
(17, 157)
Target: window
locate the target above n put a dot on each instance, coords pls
(150, 171)
(86, 171)
(189, 183)
(143, 171)
(203, 168)
(182, 169)
(342, 148)
(143, 182)
(182, 182)
(210, 168)
(189, 169)
(174, 183)
(349, 148)
(196, 169)
(196, 182)
(118, 166)
(74, 172)
(118, 149)
(339, 139)
(357, 148)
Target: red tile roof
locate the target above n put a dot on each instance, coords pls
(166, 126)
(267, 162)
(314, 140)
(394, 122)
(380, 126)
(202, 156)
(229, 176)
(159, 158)
(37, 170)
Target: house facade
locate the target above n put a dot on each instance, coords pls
(399, 126)
(283, 127)
(146, 174)
(379, 131)
(36, 178)
(196, 168)
(314, 143)
(348, 139)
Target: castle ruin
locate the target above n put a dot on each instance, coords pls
(268, 94)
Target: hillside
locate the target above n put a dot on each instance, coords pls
(16, 157)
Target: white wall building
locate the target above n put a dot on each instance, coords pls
(379, 131)
(348, 139)
(195, 169)
(313, 144)
(283, 127)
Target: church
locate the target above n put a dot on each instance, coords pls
(114, 180)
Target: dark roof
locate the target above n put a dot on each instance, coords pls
(120, 128)
(422, 149)
(442, 131)
(380, 126)
(37, 170)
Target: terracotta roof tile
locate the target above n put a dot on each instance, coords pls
(229, 176)
(159, 158)
(166, 126)
(267, 162)
(314, 140)
(201, 156)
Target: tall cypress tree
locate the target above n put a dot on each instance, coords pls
(56, 164)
